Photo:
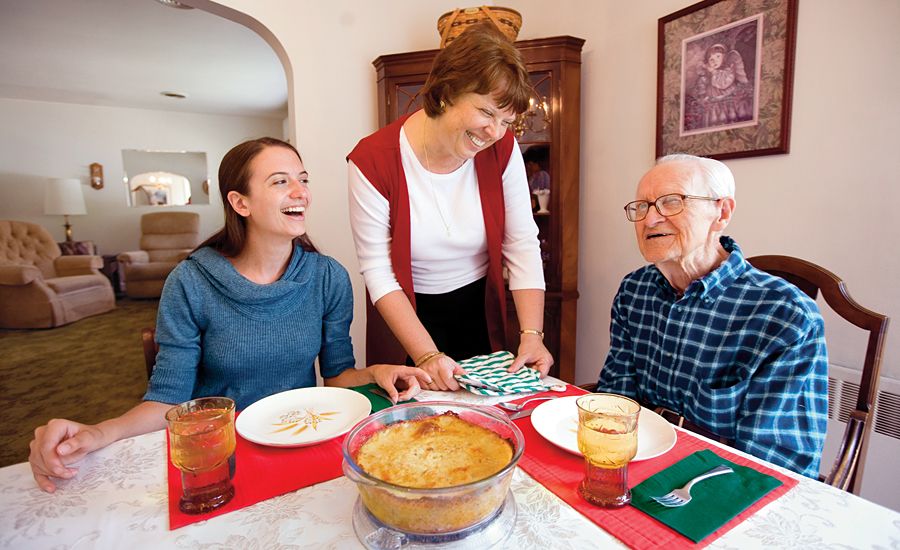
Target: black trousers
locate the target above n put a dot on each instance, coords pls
(456, 321)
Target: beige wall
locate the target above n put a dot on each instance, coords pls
(43, 140)
(821, 202)
(329, 49)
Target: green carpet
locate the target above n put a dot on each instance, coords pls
(86, 371)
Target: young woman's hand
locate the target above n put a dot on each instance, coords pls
(399, 381)
(58, 444)
(63, 442)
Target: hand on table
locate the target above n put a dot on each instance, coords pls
(58, 444)
(394, 377)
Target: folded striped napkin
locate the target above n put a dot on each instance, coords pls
(487, 375)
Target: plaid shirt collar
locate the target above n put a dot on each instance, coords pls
(713, 283)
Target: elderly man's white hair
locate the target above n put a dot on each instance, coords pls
(715, 174)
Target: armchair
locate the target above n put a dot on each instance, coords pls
(40, 288)
(166, 239)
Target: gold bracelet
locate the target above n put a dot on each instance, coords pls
(532, 331)
(428, 357)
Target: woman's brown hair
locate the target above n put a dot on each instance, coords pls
(234, 175)
(481, 61)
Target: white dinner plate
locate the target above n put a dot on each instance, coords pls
(557, 421)
(306, 416)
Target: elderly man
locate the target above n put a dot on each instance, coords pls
(737, 353)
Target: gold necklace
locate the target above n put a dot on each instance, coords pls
(437, 205)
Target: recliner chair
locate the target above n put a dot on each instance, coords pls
(166, 239)
(39, 287)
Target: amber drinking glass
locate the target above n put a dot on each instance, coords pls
(607, 437)
(201, 444)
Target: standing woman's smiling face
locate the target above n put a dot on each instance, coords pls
(278, 195)
(473, 123)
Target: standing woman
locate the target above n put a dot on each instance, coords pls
(245, 316)
(439, 204)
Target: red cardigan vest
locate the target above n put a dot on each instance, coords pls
(378, 158)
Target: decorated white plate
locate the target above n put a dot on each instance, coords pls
(557, 421)
(306, 416)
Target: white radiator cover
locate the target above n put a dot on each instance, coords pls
(879, 477)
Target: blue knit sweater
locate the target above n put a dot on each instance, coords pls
(221, 334)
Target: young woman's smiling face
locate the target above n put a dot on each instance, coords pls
(278, 194)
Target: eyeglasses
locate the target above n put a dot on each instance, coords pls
(666, 205)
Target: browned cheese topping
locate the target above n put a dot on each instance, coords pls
(433, 452)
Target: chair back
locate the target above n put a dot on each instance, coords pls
(846, 473)
(151, 348)
(26, 243)
(167, 236)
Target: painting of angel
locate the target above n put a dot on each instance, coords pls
(720, 76)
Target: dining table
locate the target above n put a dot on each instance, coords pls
(119, 499)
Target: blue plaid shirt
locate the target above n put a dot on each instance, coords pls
(741, 354)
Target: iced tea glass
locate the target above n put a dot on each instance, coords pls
(201, 444)
(607, 437)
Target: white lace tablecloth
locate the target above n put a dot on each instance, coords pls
(119, 500)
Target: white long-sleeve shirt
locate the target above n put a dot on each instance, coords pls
(448, 244)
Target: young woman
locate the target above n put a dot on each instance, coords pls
(244, 316)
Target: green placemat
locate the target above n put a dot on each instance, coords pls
(378, 402)
(715, 500)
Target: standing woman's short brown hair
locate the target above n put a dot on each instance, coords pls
(481, 61)
(234, 175)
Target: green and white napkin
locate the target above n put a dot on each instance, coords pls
(487, 375)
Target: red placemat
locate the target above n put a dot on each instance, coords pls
(262, 473)
(561, 471)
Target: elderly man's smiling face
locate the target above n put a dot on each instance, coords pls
(684, 236)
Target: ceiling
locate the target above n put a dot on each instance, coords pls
(125, 52)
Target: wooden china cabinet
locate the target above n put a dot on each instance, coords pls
(553, 131)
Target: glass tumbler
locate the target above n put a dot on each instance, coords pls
(607, 437)
(202, 444)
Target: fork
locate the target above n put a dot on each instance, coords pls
(680, 497)
(520, 406)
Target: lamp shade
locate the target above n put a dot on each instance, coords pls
(63, 196)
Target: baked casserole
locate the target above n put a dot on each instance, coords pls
(436, 473)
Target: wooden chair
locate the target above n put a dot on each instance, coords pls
(846, 472)
(151, 348)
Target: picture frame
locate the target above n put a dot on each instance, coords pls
(725, 74)
(157, 195)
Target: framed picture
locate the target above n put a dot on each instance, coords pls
(725, 78)
(157, 195)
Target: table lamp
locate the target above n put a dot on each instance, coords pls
(63, 196)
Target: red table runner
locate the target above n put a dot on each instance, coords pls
(262, 473)
(561, 471)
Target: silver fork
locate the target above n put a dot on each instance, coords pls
(680, 497)
(520, 406)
